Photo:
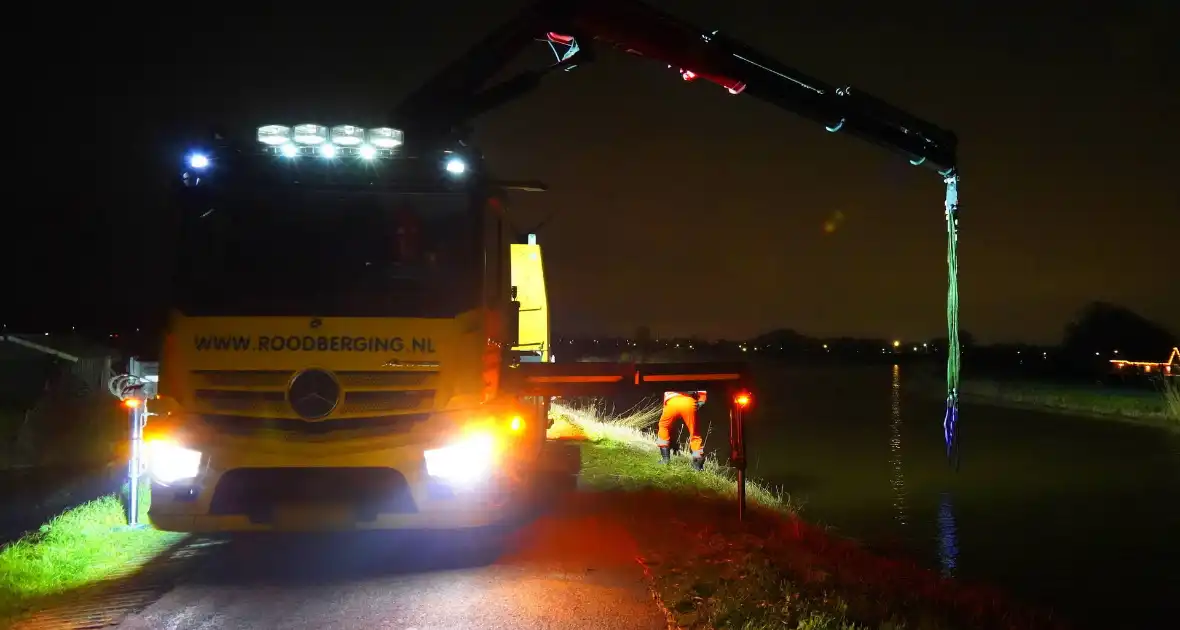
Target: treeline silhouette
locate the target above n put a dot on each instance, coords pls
(1099, 333)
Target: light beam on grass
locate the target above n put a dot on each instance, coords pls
(628, 439)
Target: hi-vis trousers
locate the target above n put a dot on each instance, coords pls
(685, 408)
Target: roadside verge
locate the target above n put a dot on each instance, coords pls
(79, 549)
(1159, 409)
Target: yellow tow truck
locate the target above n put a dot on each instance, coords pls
(340, 320)
(358, 338)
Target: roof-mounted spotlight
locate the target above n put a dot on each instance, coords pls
(386, 137)
(274, 135)
(310, 133)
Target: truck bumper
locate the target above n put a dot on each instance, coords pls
(386, 488)
(214, 524)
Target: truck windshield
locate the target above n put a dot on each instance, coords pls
(343, 254)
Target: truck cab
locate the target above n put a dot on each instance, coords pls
(341, 315)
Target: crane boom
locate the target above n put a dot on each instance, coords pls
(571, 27)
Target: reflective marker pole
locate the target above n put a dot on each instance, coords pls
(137, 415)
(737, 446)
(129, 389)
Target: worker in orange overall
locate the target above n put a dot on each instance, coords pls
(682, 406)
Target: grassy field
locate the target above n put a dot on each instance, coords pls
(82, 546)
(773, 570)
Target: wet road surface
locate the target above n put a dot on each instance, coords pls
(569, 567)
(557, 572)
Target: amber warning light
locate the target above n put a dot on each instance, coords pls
(743, 399)
(131, 403)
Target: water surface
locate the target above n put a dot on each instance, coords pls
(1077, 514)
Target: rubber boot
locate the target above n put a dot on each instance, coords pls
(665, 455)
(698, 463)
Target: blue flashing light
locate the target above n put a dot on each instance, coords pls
(198, 161)
(456, 166)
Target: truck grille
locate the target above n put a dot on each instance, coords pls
(275, 403)
(241, 401)
(264, 392)
(279, 379)
(256, 491)
(374, 402)
(370, 425)
(241, 378)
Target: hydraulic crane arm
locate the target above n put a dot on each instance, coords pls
(570, 27)
(456, 95)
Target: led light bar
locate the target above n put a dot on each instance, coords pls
(341, 141)
(274, 135)
(386, 137)
(310, 133)
(347, 135)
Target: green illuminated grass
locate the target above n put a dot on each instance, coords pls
(772, 570)
(1140, 407)
(1172, 400)
(625, 456)
(1145, 407)
(81, 546)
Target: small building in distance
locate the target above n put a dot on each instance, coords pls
(1170, 367)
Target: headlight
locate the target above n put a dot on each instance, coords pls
(468, 461)
(168, 462)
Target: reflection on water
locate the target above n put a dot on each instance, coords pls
(948, 536)
(897, 479)
(1094, 500)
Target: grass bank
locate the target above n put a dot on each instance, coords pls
(774, 570)
(1172, 401)
(81, 546)
(1151, 408)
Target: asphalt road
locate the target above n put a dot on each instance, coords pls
(566, 568)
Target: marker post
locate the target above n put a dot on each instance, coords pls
(737, 444)
(133, 391)
(137, 412)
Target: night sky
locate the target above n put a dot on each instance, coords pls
(678, 205)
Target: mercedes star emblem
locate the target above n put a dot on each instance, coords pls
(313, 394)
